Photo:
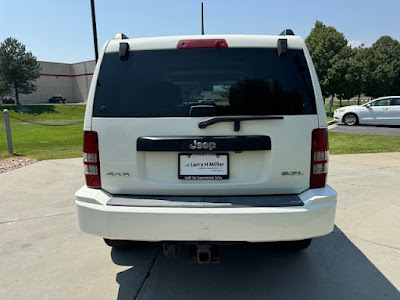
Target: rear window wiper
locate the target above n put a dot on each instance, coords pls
(235, 119)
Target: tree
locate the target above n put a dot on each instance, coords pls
(382, 61)
(355, 74)
(3, 88)
(330, 53)
(325, 45)
(395, 90)
(338, 75)
(18, 69)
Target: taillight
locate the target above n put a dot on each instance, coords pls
(319, 158)
(198, 44)
(91, 159)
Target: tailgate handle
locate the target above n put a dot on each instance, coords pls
(202, 143)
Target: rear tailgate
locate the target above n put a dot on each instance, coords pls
(284, 169)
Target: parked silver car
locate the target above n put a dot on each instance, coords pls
(381, 111)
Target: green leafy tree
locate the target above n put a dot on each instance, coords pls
(354, 79)
(358, 72)
(382, 61)
(330, 53)
(339, 76)
(3, 89)
(325, 45)
(395, 90)
(18, 69)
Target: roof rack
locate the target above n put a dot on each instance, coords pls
(287, 32)
(120, 36)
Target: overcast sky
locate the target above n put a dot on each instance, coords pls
(61, 30)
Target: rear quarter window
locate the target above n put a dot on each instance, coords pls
(236, 81)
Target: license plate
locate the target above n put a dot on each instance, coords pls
(203, 166)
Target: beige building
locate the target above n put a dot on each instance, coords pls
(70, 81)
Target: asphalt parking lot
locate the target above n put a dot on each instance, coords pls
(45, 256)
(366, 129)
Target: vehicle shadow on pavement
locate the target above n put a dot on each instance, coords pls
(142, 259)
(331, 268)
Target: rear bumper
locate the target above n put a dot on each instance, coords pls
(252, 224)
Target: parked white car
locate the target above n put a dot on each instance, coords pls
(381, 111)
(206, 139)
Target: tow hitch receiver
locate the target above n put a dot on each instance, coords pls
(204, 254)
(199, 253)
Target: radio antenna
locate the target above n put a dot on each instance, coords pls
(202, 19)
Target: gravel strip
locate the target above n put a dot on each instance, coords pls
(13, 163)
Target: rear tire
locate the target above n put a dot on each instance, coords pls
(119, 244)
(350, 119)
(296, 245)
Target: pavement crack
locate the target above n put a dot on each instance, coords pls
(391, 156)
(376, 169)
(34, 218)
(376, 243)
(363, 171)
(65, 165)
(148, 273)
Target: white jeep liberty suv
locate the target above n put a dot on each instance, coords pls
(210, 138)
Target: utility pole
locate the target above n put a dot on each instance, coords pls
(202, 19)
(96, 50)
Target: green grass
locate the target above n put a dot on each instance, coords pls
(348, 143)
(44, 142)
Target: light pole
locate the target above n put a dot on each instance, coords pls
(96, 50)
(202, 19)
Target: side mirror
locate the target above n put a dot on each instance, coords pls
(368, 105)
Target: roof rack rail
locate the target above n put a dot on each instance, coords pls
(120, 36)
(287, 32)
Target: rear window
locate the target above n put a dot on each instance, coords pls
(235, 81)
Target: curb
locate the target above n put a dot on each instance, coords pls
(331, 122)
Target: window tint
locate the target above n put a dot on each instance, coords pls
(395, 101)
(235, 81)
(383, 102)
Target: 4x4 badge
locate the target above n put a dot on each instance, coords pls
(126, 174)
(291, 173)
(203, 145)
